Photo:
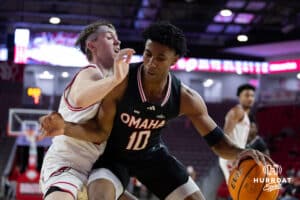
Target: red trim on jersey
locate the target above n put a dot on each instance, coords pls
(168, 91)
(142, 94)
(141, 90)
(70, 107)
(64, 182)
(60, 170)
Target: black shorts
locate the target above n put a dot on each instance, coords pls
(160, 172)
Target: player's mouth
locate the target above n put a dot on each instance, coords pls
(151, 73)
(116, 50)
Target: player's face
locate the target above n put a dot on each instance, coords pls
(158, 59)
(247, 98)
(107, 45)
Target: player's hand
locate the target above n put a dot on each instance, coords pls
(121, 64)
(257, 156)
(51, 125)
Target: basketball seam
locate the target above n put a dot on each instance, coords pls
(262, 187)
(275, 196)
(238, 196)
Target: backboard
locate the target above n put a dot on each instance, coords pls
(21, 120)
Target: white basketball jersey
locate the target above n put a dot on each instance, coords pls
(69, 151)
(239, 137)
(240, 132)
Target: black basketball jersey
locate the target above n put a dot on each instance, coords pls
(138, 123)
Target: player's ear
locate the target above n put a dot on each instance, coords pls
(175, 59)
(90, 45)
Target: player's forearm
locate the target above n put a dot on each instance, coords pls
(226, 149)
(88, 132)
(228, 129)
(94, 92)
(128, 196)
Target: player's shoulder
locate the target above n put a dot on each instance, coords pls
(237, 111)
(238, 108)
(190, 101)
(89, 72)
(89, 69)
(187, 91)
(189, 96)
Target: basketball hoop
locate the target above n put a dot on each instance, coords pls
(30, 136)
(21, 119)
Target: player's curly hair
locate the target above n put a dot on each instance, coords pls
(167, 34)
(86, 32)
(243, 87)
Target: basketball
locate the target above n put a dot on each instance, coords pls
(253, 181)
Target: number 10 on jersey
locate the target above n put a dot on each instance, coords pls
(138, 140)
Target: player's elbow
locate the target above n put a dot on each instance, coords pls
(102, 136)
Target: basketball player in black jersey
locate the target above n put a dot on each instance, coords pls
(132, 116)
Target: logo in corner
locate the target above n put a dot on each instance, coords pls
(272, 180)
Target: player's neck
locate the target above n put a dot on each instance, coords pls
(246, 109)
(154, 89)
(104, 70)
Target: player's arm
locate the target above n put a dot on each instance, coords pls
(127, 196)
(95, 130)
(193, 106)
(89, 88)
(234, 116)
(53, 124)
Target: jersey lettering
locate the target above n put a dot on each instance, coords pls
(138, 140)
(139, 123)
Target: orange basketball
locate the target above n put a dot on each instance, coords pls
(252, 181)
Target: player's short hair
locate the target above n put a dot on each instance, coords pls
(167, 34)
(86, 32)
(243, 87)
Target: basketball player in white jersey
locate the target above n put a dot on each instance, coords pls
(68, 160)
(237, 123)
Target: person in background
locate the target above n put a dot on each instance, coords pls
(237, 123)
(255, 141)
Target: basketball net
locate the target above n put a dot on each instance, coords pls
(32, 160)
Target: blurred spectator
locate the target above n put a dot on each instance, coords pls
(289, 194)
(290, 172)
(255, 141)
(137, 187)
(139, 190)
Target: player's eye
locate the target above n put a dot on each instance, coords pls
(161, 59)
(147, 54)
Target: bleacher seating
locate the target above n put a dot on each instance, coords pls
(280, 126)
